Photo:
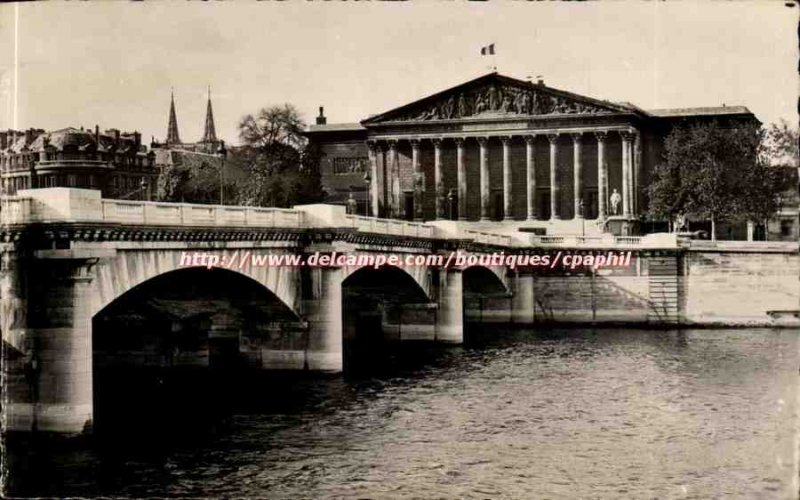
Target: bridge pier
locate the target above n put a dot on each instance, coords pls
(48, 377)
(322, 308)
(522, 302)
(450, 314)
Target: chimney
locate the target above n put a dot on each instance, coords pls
(137, 137)
(97, 134)
(29, 136)
(116, 138)
(540, 81)
(3, 141)
(321, 120)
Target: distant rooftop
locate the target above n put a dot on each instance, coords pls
(718, 110)
(335, 127)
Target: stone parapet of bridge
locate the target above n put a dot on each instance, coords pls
(68, 205)
(72, 205)
(85, 205)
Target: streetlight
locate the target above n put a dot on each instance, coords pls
(222, 153)
(451, 203)
(368, 182)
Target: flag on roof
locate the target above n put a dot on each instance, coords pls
(488, 50)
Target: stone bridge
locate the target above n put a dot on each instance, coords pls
(85, 279)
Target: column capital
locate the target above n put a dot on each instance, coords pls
(601, 135)
(414, 141)
(553, 138)
(627, 135)
(459, 141)
(576, 137)
(437, 142)
(372, 145)
(505, 138)
(482, 140)
(392, 144)
(529, 138)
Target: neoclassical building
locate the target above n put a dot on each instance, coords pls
(500, 149)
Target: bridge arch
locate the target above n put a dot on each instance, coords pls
(381, 308)
(485, 280)
(174, 342)
(420, 274)
(487, 298)
(128, 269)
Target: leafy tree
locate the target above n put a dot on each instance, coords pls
(715, 173)
(782, 145)
(193, 181)
(283, 167)
(172, 182)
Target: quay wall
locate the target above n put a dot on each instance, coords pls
(726, 284)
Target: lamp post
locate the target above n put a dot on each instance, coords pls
(368, 182)
(222, 153)
(451, 204)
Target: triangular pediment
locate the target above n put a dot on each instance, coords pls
(495, 95)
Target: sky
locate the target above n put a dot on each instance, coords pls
(114, 63)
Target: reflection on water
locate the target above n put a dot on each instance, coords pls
(605, 413)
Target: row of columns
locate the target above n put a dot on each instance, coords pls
(629, 137)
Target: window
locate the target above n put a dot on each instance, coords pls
(786, 228)
(351, 165)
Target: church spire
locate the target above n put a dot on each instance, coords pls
(172, 128)
(210, 135)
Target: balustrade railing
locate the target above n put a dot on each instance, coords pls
(145, 212)
(67, 205)
(628, 240)
(488, 238)
(390, 226)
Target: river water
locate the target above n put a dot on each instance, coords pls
(547, 414)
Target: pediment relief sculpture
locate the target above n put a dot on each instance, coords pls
(498, 100)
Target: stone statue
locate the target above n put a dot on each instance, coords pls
(506, 106)
(480, 104)
(524, 105)
(615, 199)
(462, 107)
(448, 108)
(352, 204)
(493, 100)
(545, 104)
(680, 223)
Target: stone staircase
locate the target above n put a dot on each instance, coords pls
(664, 290)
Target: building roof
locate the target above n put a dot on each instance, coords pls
(513, 98)
(336, 127)
(235, 166)
(703, 111)
(80, 139)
